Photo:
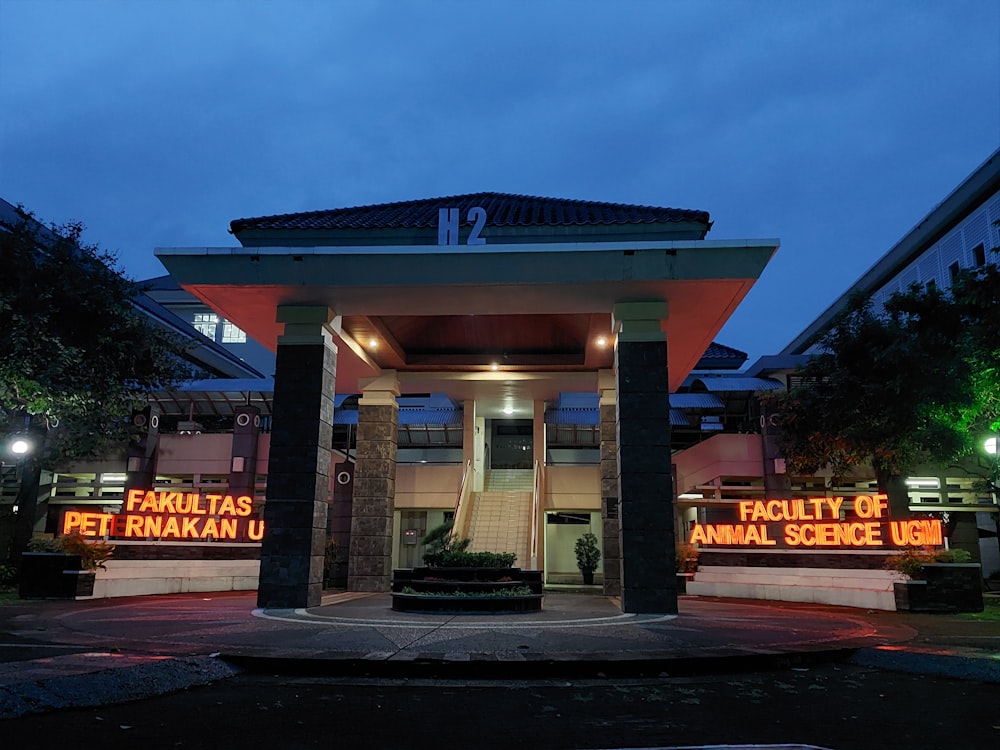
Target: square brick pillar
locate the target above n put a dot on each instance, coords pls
(369, 565)
(611, 529)
(291, 555)
(645, 484)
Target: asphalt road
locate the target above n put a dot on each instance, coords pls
(843, 707)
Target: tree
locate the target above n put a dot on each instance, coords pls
(76, 356)
(916, 383)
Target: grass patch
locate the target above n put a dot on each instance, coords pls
(990, 613)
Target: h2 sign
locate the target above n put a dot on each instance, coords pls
(448, 226)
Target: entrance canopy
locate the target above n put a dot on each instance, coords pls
(526, 315)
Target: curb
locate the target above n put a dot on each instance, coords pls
(983, 667)
(108, 686)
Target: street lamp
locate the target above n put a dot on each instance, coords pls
(990, 445)
(20, 446)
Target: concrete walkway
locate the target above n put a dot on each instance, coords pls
(65, 653)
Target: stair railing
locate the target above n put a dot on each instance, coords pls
(535, 505)
(458, 524)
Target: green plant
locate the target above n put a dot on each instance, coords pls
(8, 575)
(910, 561)
(687, 558)
(44, 544)
(588, 555)
(438, 542)
(93, 554)
(954, 556)
(497, 594)
(462, 559)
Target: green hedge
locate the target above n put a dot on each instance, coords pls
(451, 559)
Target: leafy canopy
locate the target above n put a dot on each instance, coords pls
(918, 382)
(75, 355)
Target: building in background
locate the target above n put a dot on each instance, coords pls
(486, 372)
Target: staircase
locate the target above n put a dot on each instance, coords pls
(501, 515)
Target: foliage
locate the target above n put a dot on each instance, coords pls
(495, 594)
(44, 544)
(911, 560)
(918, 382)
(8, 575)
(439, 541)
(687, 558)
(93, 552)
(463, 559)
(588, 555)
(76, 356)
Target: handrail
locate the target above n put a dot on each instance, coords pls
(534, 516)
(462, 495)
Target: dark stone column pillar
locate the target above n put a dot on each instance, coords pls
(645, 485)
(370, 561)
(243, 461)
(609, 485)
(298, 482)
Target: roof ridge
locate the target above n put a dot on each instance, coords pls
(505, 209)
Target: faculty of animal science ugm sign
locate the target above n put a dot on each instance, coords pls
(828, 522)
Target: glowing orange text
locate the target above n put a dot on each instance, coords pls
(149, 514)
(819, 522)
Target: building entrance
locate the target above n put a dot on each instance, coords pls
(511, 444)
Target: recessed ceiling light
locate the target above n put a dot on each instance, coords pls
(601, 341)
(494, 366)
(508, 410)
(373, 343)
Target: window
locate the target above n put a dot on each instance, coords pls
(231, 334)
(979, 254)
(205, 323)
(953, 271)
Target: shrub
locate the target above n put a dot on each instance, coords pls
(8, 574)
(687, 558)
(912, 559)
(93, 554)
(464, 559)
(439, 542)
(587, 553)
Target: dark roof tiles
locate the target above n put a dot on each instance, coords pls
(502, 209)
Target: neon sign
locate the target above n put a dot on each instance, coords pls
(166, 515)
(819, 522)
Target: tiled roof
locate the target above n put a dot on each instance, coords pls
(502, 210)
(721, 352)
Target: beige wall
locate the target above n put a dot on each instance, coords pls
(573, 488)
(427, 486)
(719, 456)
(194, 454)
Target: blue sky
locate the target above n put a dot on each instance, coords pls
(833, 126)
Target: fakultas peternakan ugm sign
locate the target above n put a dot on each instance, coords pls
(168, 516)
(829, 522)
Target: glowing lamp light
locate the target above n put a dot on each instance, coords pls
(602, 341)
(20, 447)
(990, 446)
(373, 343)
(508, 410)
(494, 366)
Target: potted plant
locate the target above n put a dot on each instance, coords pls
(687, 564)
(936, 581)
(587, 557)
(64, 567)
